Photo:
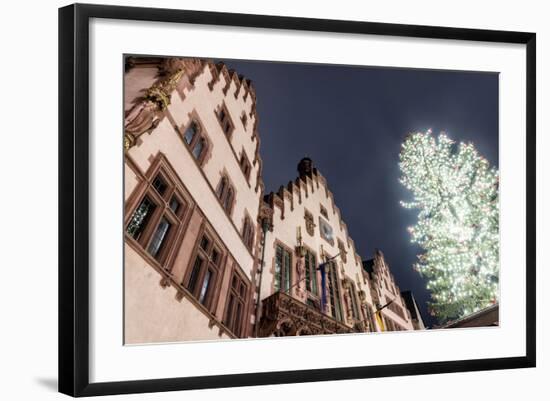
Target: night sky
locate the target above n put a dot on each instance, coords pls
(351, 121)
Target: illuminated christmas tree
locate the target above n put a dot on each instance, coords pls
(456, 192)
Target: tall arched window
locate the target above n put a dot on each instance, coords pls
(334, 292)
(248, 233)
(225, 194)
(221, 187)
(198, 148)
(205, 269)
(283, 265)
(195, 139)
(228, 199)
(191, 132)
(311, 272)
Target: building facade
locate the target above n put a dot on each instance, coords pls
(208, 255)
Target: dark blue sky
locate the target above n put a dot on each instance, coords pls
(351, 122)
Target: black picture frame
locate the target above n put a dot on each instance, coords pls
(74, 198)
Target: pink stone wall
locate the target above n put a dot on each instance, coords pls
(153, 313)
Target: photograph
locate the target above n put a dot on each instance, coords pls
(275, 199)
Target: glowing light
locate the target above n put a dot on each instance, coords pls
(456, 193)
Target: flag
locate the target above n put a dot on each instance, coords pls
(323, 271)
(379, 320)
(378, 315)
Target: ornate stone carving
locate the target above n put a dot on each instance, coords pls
(310, 223)
(343, 252)
(147, 112)
(266, 214)
(284, 315)
(300, 273)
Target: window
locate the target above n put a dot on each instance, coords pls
(140, 218)
(191, 132)
(283, 261)
(235, 317)
(159, 237)
(311, 272)
(195, 139)
(370, 318)
(248, 232)
(245, 165)
(334, 292)
(228, 201)
(353, 299)
(205, 270)
(244, 119)
(157, 217)
(226, 194)
(324, 211)
(199, 148)
(225, 121)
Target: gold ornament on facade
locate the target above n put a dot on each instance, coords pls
(128, 142)
(160, 93)
(147, 113)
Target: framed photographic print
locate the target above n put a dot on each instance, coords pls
(249, 199)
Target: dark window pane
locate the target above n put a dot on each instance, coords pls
(204, 243)
(287, 271)
(245, 229)
(205, 286)
(221, 187)
(194, 274)
(313, 266)
(199, 146)
(222, 114)
(215, 256)
(140, 218)
(308, 272)
(159, 237)
(242, 290)
(237, 325)
(278, 267)
(234, 282)
(159, 185)
(174, 205)
(190, 133)
(334, 292)
(229, 313)
(228, 200)
(354, 305)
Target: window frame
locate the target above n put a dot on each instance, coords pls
(223, 194)
(200, 135)
(309, 271)
(248, 232)
(242, 299)
(178, 220)
(286, 269)
(226, 119)
(334, 292)
(213, 290)
(245, 165)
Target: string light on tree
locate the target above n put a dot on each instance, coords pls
(456, 192)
